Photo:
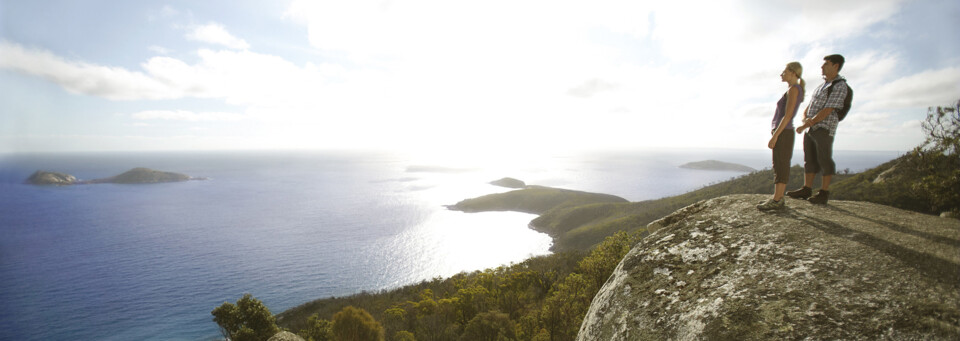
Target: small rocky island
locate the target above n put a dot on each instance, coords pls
(509, 183)
(717, 166)
(138, 175)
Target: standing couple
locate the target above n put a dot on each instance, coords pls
(820, 123)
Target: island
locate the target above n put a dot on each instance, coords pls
(717, 166)
(509, 183)
(137, 175)
(51, 178)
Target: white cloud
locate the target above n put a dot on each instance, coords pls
(185, 115)
(931, 87)
(215, 33)
(113, 83)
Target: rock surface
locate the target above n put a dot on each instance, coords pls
(51, 178)
(285, 336)
(717, 165)
(721, 270)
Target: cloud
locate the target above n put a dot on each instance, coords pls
(113, 83)
(591, 88)
(214, 33)
(159, 49)
(237, 77)
(931, 87)
(184, 115)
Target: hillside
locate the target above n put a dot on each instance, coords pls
(720, 269)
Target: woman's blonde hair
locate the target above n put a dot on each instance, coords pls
(797, 69)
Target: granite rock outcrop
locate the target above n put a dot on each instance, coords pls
(721, 270)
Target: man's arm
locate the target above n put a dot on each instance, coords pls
(822, 115)
(834, 101)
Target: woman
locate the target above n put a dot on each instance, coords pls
(782, 140)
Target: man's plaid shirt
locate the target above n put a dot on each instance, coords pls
(819, 101)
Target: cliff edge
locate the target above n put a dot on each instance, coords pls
(720, 269)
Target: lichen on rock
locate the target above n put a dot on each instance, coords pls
(720, 269)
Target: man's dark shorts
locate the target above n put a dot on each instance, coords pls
(782, 153)
(818, 152)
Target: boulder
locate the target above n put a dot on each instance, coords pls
(285, 336)
(722, 270)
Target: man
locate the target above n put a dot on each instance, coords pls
(821, 119)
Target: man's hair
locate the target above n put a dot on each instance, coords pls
(836, 59)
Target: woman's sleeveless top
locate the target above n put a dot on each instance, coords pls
(781, 109)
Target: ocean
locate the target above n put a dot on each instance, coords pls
(149, 262)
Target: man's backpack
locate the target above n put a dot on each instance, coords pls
(842, 112)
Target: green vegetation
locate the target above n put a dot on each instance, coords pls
(927, 179)
(353, 324)
(248, 320)
(542, 298)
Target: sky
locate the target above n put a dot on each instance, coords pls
(459, 76)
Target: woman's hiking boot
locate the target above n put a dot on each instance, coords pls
(771, 205)
(801, 194)
(820, 198)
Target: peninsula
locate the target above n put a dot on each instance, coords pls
(138, 175)
(717, 166)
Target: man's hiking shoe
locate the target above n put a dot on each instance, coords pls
(771, 205)
(820, 198)
(801, 194)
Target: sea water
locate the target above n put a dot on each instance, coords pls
(149, 262)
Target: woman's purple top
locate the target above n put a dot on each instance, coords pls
(781, 106)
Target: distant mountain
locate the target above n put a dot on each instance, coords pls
(717, 165)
